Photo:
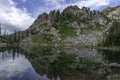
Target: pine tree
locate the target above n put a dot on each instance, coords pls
(15, 36)
(19, 36)
(0, 28)
(5, 32)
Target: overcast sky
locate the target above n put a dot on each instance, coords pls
(20, 14)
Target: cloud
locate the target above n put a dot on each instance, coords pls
(93, 4)
(24, 1)
(61, 4)
(14, 18)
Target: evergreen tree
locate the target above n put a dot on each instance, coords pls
(5, 32)
(19, 37)
(15, 36)
(113, 38)
(0, 28)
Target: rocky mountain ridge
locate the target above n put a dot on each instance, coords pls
(72, 25)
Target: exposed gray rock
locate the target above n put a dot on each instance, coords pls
(95, 24)
(113, 65)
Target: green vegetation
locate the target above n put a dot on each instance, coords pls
(65, 30)
(113, 36)
(111, 56)
(63, 61)
(60, 62)
(86, 30)
(43, 38)
(91, 64)
(2, 40)
(68, 16)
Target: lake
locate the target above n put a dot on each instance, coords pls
(51, 63)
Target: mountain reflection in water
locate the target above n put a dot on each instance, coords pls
(55, 64)
(15, 66)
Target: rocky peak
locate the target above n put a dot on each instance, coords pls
(76, 9)
(43, 17)
(71, 9)
(85, 9)
(52, 13)
(74, 24)
(74, 13)
(112, 13)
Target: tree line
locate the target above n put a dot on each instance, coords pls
(16, 37)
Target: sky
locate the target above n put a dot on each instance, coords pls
(20, 14)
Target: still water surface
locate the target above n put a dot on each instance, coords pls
(55, 64)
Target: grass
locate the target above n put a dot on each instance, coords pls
(66, 31)
(44, 38)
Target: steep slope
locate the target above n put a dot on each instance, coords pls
(113, 13)
(113, 33)
(73, 25)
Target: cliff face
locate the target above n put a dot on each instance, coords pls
(72, 25)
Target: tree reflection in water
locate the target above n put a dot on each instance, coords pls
(55, 63)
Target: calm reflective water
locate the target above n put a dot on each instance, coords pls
(57, 64)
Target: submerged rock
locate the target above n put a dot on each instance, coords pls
(113, 65)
